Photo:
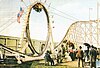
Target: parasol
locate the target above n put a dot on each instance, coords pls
(87, 44)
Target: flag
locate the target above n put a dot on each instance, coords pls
(18, 18)
(21, 11)
(19, 15)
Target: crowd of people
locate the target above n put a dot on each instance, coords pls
(75, 54)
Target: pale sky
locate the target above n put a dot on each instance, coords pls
(64, 12)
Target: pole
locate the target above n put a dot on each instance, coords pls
(97, 22)
(90, 25)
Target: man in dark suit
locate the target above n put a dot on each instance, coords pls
(93, 56)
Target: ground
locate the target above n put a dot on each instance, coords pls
(41, 64)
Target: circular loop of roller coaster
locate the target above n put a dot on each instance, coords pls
(37, 7)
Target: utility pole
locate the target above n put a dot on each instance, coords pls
(90, 26)
(97, 23)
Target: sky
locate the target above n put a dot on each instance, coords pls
(62, 12)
